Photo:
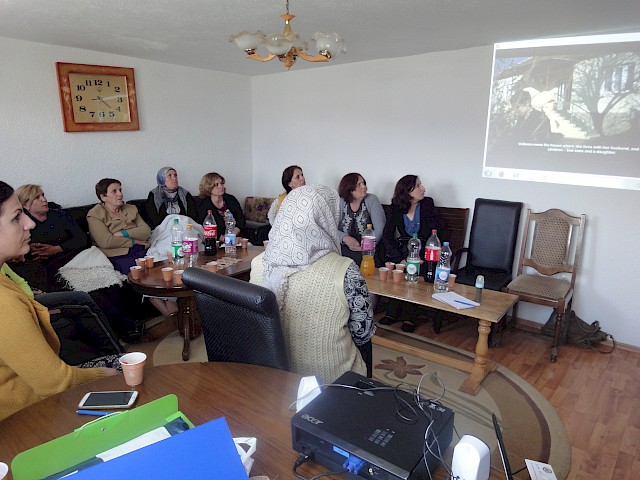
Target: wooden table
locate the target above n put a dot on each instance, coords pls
(151, 283)
(493, 307)
(253, 399)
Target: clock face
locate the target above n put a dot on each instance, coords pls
(99, 98)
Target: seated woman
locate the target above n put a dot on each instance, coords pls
(168, 197)
(411, 212)
(292, 177)
(55, 240)
(325, 308)
(119, 231)
(214, 197)
(30, 368)
(357, 209)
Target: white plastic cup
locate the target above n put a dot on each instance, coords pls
(133, 367)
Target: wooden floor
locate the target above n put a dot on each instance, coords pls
(597, 396)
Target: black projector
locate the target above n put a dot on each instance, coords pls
(373, 428)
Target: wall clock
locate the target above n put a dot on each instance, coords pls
(97, 98)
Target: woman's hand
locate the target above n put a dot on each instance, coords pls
(352, 243)
(108, 372)
(42, 251)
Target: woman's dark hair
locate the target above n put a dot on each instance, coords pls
(102, 187)
(5, 193)
(402, 193)
(287, 175)
(347, 185)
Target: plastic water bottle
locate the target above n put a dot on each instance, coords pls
(441, 283)
(431, 255)
(190, 246)
(368, 248)
(176, 240)
(413, 260)
(210, 234)
(229, 235)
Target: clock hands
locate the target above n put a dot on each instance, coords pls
(100, 99)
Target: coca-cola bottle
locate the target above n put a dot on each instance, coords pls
(210, 234)
(431, 255)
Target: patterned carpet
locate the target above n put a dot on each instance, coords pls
(530, 425)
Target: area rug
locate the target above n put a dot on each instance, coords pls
(530, 425)
(169, 350)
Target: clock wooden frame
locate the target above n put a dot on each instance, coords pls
(67, 97)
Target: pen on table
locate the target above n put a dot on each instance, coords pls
(95, 413)
(465, 303)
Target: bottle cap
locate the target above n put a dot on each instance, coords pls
(479, 281)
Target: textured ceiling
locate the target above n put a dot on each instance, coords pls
(195, 32)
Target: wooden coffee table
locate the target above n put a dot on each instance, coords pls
(493, 307)
(152, 284)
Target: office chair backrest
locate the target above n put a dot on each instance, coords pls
(494, 231)
(240, 321)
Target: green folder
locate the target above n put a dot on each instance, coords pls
(93, 438)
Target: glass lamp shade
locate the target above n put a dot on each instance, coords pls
(247, 41)
(330, 42)
(278, 44)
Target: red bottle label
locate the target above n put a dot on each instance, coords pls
(431, 254)
(210, 231)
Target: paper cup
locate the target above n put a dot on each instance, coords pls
(452, 279)
(390, 265)
(244, 242)
(266, 244)
(133, 367)
(167, 274)
(141, 262)
(384, 273)
(149, 261)
(400, 266)
(212, 266)
(136, 272)
(398, 275)
(177, 274)
(170, 257)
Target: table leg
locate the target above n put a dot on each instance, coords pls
(185, 319)
(481, 366)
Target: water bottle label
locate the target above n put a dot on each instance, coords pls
(431, 254)
(442, 274)
(176, 249)
(189, 247)
(412, 267)
(230, 239)
(210, 231)
(367, 243)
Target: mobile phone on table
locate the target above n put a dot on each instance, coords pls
(100, 400)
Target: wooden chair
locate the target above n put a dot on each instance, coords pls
(548, 264)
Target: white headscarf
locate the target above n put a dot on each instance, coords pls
(305, 230)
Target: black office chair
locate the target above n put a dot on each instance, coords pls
(240, 321)
(492, 244)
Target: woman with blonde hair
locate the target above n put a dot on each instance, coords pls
(214, 197)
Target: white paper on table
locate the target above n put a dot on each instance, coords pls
(455, 300)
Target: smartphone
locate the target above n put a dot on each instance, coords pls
(99, 400)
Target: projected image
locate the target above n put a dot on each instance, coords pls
(566, 111)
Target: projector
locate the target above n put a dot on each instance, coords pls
(372, 429)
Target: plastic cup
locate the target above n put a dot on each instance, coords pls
(177, 274)
(212, 266)
(400, 266)
(133, 367)
(390, 265)
(170, 257)
(136, 272)
(149, 261)
(384, 273)
(452, 279)
(244, 242)
(398, 275)
(141, 262)
(266, 244)
(167, 274)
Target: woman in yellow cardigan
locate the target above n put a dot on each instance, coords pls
(30, 368)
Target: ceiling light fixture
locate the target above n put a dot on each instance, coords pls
(287, 46)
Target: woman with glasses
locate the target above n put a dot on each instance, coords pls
(213, 197)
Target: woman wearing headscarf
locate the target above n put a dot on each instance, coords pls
(168, 197)
(325, 308)
(292, 177)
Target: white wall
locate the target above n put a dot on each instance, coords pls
(192, 119)
(427, 115)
